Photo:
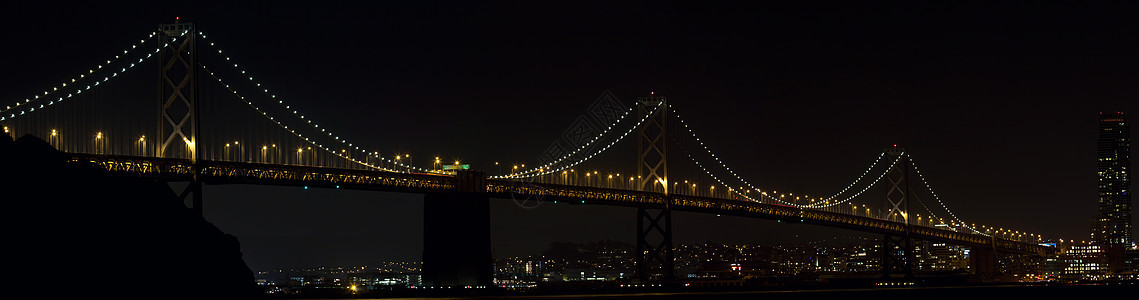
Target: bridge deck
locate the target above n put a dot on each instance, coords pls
(220, 172)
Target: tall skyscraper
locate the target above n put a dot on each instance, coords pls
(1112, 224)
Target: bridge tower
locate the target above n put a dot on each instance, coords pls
(897, 250)
(178, 101)
(654, 224)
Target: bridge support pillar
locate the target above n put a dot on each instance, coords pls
(654, 251)
(456, 234)
(984, 262)
(897, 256)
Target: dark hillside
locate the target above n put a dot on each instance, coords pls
(74, 231)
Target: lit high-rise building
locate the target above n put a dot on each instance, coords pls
(1112, 223)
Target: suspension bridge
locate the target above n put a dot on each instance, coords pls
(212, 122)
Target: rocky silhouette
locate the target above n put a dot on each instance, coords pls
(73, 230)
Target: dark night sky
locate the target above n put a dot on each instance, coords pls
(997, 102)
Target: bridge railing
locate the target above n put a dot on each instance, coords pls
(215, 172)
(222, 172)
(623, 197)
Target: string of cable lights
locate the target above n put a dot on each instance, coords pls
(717, 179)
(819, 206)
(81, 76)
(938, 198)
(549, 170)
(62, 87)
(297, 113)
(763, 194)
(285, 127)
(856, 180)
(932, 215)
(722, 165)
(574, 152)
(859, 193)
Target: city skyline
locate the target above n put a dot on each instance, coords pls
(996, 110)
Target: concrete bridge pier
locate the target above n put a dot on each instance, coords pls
(983, 260)
(456, 234)
(897, 256)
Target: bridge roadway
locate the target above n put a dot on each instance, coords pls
(222, 172)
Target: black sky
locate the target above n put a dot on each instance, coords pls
(997, 102)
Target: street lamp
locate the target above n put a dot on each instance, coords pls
(99, 142)
(240, 151)
(190, 147)
(54, 139)
(141, 143)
